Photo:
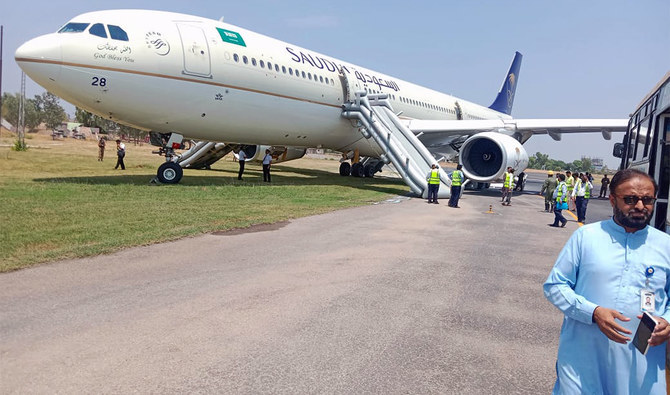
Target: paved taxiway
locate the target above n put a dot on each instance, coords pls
(396, 297)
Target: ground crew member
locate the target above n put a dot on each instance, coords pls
(120, 154)
(101, 149)
(561, 202)
(242, 157)
(581, 193)
(508, 187)
(456, 182)
(267, 162)
(548, 191)
(433, 179)
(604, 183)
(570, 183)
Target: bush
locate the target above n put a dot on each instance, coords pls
(20, 145)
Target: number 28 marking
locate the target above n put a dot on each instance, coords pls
(99, 81)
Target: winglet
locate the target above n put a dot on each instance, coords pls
(505, 99)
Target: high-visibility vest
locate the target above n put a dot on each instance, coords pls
(587, 188)
(570, 182)
(559, 194)
(434, 176)
(509, 180)
(456, 178)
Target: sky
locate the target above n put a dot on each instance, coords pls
(582, 59)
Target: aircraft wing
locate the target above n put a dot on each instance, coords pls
(454, 129)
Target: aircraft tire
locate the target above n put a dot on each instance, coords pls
(357, 170)
(170, 173)
(345, 169)
(369, 171)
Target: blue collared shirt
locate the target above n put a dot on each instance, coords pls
(603, 265)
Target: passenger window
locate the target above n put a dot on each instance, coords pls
(236, 57)
(253, 61)
(245, 59)
(269, 65)
(283, 69)
(309, 75)
(262, 63)
(303, 75)
(73, 27)
(98, 30)
(116, 33)
(321, 78)
(276, 67)
(290, 71)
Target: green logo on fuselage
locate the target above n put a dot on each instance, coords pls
(231, 37)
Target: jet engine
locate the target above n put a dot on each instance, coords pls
(486, 156)
(279, 154)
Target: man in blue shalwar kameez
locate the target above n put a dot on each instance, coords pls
(600, 282)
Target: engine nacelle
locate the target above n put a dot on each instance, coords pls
(279, 154)
(486, 156)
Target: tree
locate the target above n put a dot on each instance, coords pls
(10, 111)
(587, 165)
(106, 126)
(52, 113)
(95, 121)
(10, 108)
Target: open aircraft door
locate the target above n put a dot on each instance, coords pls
(196, 51)
(349, 87)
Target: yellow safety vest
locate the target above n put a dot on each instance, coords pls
(559, 193)
(587, 188)
(570, 182)
(509, 180)
(456, 178)
(434, 176)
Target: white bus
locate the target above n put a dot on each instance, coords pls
(646, 146)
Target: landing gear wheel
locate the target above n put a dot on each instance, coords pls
(170, 173)
(357, 170)
(369, 171)
(345, 169)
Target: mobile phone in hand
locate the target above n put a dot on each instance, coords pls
(643, 333)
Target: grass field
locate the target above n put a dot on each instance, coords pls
(58, 201)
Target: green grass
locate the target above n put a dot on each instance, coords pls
(59, 202)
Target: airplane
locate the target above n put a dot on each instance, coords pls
(186, 77)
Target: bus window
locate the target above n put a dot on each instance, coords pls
(642, 134)
(650, 136)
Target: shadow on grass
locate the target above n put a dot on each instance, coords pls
(281, 176)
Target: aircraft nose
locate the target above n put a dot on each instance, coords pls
(38, 57)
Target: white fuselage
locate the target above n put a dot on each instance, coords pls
(209, 80)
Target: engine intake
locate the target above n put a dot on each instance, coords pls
(486, 156)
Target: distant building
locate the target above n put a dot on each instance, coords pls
(6, 124)
(596, 162)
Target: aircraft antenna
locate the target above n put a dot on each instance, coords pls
(221, 19)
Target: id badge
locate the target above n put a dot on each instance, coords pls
(647, 300)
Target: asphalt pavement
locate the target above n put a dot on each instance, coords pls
(396, 297)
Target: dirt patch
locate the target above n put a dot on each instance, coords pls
(252, 229)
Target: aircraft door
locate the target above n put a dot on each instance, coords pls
(196, 51)
(349, 87)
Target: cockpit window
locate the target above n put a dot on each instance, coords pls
(117, 33)
(98, 30)
(73, 27)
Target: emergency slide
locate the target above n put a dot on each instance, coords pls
(401, 147)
